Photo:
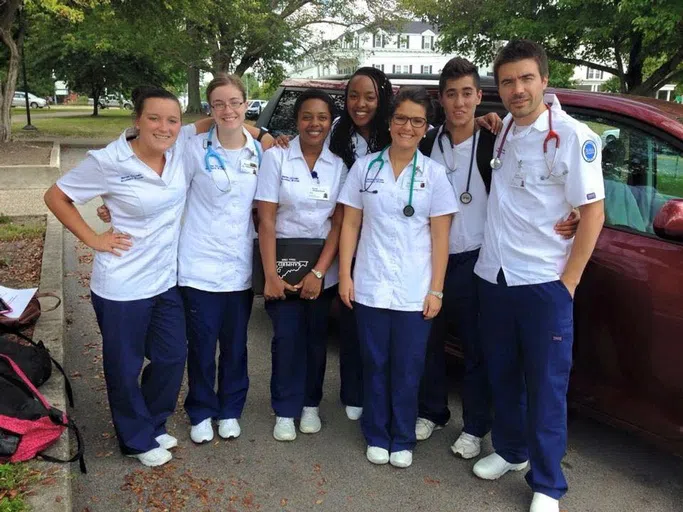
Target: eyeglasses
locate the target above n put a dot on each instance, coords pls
(221, 105)
(416, 122)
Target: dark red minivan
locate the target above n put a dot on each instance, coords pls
(628, 350)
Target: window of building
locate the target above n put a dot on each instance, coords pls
(426, 70)
(399, 69)
(379, 41)
(403, 42)
(427, 42)
(594, 74)
(378, 66)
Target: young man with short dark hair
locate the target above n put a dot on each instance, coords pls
(545, 163)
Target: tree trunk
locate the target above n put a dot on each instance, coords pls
(194, 100)
(8, 86)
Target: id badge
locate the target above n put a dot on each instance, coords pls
(319, 193)
(419, 184)
(518, 179)
(249, 167)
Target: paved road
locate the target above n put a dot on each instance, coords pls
(607, 470)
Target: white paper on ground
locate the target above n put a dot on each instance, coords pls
(17, 299)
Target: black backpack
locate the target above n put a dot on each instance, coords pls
(484, 152)
(34, 360)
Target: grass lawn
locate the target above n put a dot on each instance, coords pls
(107, 125)
(14, 479)
(20, 112)
(18, 228)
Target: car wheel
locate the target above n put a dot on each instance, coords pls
(33, 104)
(127, 106)
(610, 138)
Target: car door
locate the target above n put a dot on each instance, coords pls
(628, 351)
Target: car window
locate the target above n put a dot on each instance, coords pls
(282, 121)
(641, 172)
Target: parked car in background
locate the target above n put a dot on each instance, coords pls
(113, 100)
(628, 343)
(255, 108)
(34, 101)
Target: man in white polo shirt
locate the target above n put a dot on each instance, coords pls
(545, 163)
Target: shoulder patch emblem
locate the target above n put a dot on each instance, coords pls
(589, 151)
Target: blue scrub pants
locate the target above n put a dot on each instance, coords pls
(133, 330)
(393, 345)
(350, 363)
(460, 303)
(527, 334)
(216, 318)
(299, 352)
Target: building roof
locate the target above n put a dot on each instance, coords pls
(412, 27)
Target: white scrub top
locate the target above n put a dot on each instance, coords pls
(467, 229)
(143, 204)
(305, 205)
(394, 258)
(216, 239)
(527, 199)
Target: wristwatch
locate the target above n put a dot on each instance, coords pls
(438, 295)
(317, 273)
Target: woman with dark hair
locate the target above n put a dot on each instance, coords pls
(297, 192)
(142, 180)
(401, 204)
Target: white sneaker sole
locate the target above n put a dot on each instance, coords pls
(288, 437)
(459, 453)
(154, 464)
(424, 437)
(496, 476)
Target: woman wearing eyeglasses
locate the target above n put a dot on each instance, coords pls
(404, 203)
(215, 262)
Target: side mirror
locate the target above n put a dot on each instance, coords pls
(668, 223)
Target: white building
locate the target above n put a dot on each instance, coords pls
(411, 50)
(589, 79)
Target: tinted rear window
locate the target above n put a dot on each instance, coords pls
(282, 120)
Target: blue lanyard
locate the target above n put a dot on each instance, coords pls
(211, 153)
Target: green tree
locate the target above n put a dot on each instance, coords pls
(11, 38)
(615, 36)
(238, 35)
(103, 53)
(561, 75)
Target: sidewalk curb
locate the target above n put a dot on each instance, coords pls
(31, 176)
(55, 496)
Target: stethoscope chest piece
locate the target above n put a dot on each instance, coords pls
(465, 198)
(408, 211)
(496, 163)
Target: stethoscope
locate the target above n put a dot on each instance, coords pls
(212, 153)
(408, 210)
(496, 162)
(466, 196)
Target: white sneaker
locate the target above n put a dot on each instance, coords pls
(310, 421)
(202, 432)
(377, 455)
(543, 503)
(154, 457)
(424, 428)
(229, 428)
(467, 446)
(284, 429)
(166, 441)
(353, 413)
(401, 459)
(494, 466)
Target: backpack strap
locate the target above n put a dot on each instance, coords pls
(79, 456)
(427, 143)
(67, 383)
(484, 154)
(49, 294)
